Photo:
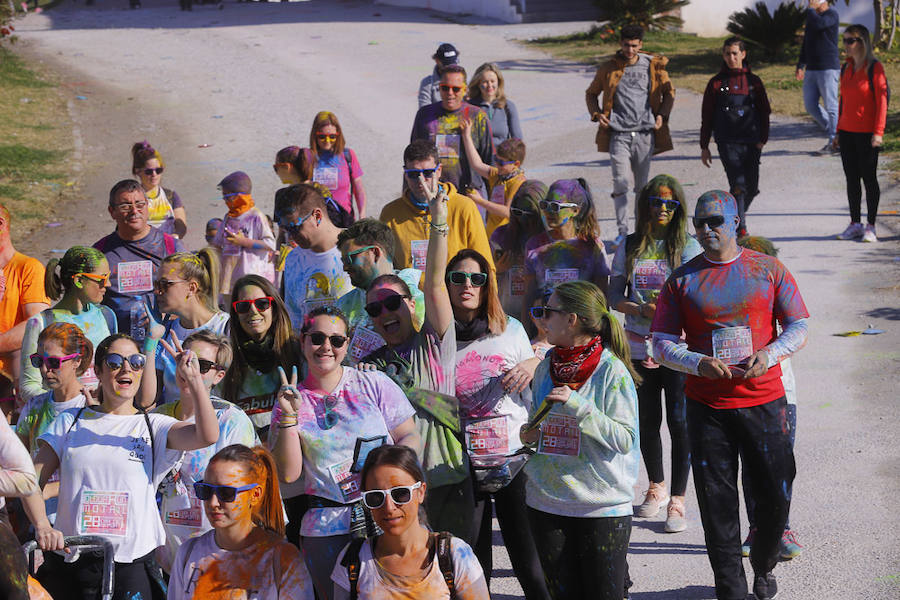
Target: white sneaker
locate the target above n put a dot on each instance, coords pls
(853, 231)
(869, 234)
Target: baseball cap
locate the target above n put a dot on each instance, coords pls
(237, 182)
(447, 54)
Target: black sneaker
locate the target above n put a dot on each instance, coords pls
(765, 586)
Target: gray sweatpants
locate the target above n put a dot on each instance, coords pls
(628, 150)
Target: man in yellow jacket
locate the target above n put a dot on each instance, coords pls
(637, 100)
(408, 217)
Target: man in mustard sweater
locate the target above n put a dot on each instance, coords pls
(407, 216)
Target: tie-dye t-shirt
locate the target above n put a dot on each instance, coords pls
(752, 291)
(234, 428)
(271, 569)
(367, 405)
(377, 584)
(94, 322)
(312, 279)
(238, 261)
(491, 416)
(428, 362)
(567, 260)
(650, 272)
(217, 324)
(331, 171)
(589, 454)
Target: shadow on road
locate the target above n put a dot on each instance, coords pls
(690, 592)
(891, 313)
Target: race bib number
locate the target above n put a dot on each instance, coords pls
(418, 250)
(447, 145)
(487, 437)
(560, 436)
(364, 342)
(732, 345)
(649, 275)
(135, 277)
(516, 281)
(346, 480)
(188, 517)
(103, 513)
(327, 176)
(554, 277)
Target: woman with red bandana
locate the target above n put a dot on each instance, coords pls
(585, 429)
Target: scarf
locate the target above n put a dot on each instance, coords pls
(473, 330)
(261, 355)
(573, 366)
(239, 204)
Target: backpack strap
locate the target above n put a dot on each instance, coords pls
(110, 318)
(351, 561)
(152, 445)
(445, 560)
(169, 243)
(77, 416)
(349, 159)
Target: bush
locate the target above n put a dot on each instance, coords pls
(6, 16)
(649, 14)
(768, 32)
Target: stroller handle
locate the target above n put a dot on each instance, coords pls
(85, 542)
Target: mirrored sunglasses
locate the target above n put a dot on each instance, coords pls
(666, 203)
(115, 361)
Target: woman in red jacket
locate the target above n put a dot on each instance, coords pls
(861, 121)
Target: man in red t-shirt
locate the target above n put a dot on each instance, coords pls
(727, 301)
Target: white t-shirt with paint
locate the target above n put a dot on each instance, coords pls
(313, 279)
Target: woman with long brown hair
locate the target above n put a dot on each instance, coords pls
(336, 167)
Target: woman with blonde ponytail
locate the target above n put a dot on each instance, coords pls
(585, 427)
(185, 291)
(245, 553)
(78, 280)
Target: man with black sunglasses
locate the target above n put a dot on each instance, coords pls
(727, 301)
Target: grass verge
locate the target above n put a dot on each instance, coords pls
(35, 140)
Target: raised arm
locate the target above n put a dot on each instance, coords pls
(438, 310)
(465, 126)
(284, 439)
(205, 429)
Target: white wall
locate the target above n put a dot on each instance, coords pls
(709, 17)
(501, 10)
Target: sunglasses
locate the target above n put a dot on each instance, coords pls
(851, 41)
(414, 173)
(330, 137)
(51, 362)
(331, 417)
(390, 303)
(318, 338)
(296, 225)
(666, 203)
(519, 212)
(348, 258)
(225, 493)
(499, 162)
(454, 88)
(711, 222)
(555, 207)
(542, 312)
(460, 278)
(243, 306)
(400, 495)
(156, 171)
(101, 280)
(162, 285)
(116, 361)
(206, 365)
(131, 206)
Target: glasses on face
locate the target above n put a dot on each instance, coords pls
(519, 212)
(460, 278)
(849, 41)
(351, 256)
(116, 361)
(414, 173)
(296, 225)
(225, 493)
(499, 162)
(101, 280)
(327, 137)
(206, 365)
(129, 206)
(400, 495)
(243, 306)
(666, 203)
(277, 166)
(51, 362)
(151, 172)
(391, 303)
(317, 338)
(331, 418)
(543, 312)
(711, 222)
(452, 88)
(555, 207)
(162, 285)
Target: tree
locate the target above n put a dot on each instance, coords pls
(649, 14)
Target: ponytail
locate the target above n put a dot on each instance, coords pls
(260, 463)
(201, 267)
(53, 285)
(59, 274)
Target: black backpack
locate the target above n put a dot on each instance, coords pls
(443, 555)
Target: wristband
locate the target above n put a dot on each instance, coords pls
(150, 345)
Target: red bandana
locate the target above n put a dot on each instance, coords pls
(573, 366)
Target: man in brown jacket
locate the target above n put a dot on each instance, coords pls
(637, 100)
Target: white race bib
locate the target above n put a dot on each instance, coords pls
(191, 516)
(418, 250)
(560, 436)
(327, 176)
(103, 513)
(447, 145)
(364, 342)
(135, 277)
(487, 437)
(732, 345)
(347, 481)
(554, 277)
(649, 275)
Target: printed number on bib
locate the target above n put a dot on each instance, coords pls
(135, 277)
(327, 176)
(556, 276)
(732, 345)
(418, 250)
(447, 145)
(103, 513)
(560, 436)
(364, 342)
(487, 437)
(346, 480)
(650, 275)
(190, 516)
(517, 281)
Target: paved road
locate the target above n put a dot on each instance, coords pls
(247, 80)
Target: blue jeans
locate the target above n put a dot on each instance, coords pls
(822, 84)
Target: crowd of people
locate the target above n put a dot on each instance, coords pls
(321, 404)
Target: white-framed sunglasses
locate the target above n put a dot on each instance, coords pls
(400, 494)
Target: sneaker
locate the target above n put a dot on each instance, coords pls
(789, 547)
(745, 547)
(765, 586)
(869, 234)
(824, 150)
(675, 520)
(655, 498)
(853, 231)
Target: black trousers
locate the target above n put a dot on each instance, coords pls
(719, 438)
(81, 579)
(582, 558)
(741, 162)
(749, 494)
(450, 508)
(650, 412)
(512, 514)
(295, 508)
(860, 162)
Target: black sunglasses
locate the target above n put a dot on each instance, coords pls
(711, 222)
(52, 362)
(318, 338)
(115, 361)
(390, 303)
(206, 365)
(460, 278)
(518, 212)
(540, 312)
(414, 173)
(262, 304)
(157, 170)
(852, 40)
(225, 493)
